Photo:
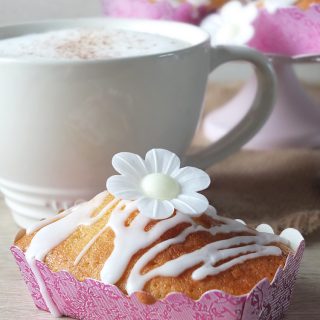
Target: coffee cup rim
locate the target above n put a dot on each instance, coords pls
(24, 28)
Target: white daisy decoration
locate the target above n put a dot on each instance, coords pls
(232, 24)
(273, 5)
(158, 184)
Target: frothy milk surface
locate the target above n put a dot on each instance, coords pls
(87, 44)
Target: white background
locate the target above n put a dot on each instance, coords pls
(15, 11)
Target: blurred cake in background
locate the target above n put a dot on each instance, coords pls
(288, 32)
(180, 10)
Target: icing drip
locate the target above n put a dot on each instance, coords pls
(55, 230)
(131, 238)
(134, 238)
(43, 289)
(209, 270)
(50, 236)
(210, 255)
(89, 244)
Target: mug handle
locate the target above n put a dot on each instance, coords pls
(255, 118)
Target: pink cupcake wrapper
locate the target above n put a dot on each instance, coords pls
(92, 299)
(289, 31)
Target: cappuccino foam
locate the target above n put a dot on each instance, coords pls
(87, 44)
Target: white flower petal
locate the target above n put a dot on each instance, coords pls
(129, 164)
(163, 161)
(192, 179)
(155, 209)
(159, 166)
(123, 187)
(191, 203)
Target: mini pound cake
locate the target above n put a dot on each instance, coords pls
(152, 233)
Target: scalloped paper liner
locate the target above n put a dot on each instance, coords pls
(92, 299)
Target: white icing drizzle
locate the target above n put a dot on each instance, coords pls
(43, 289)
(130, 239)
(209, 270)
(52, 232)
(137, 281)
(89, 245)
(209, 255)
(86, 207)
(47, 221)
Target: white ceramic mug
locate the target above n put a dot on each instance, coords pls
(62, 121)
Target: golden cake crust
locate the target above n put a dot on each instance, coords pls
(237, 280)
